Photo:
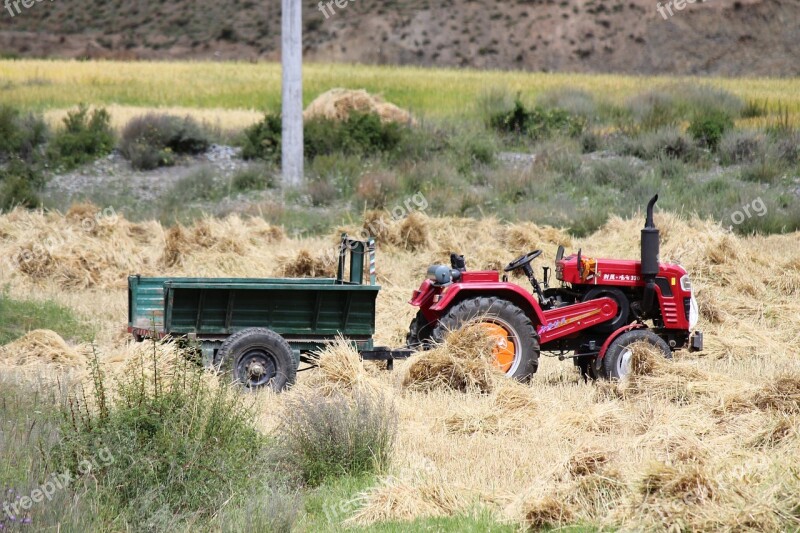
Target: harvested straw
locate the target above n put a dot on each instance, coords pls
(394, 499)
(338, 104)
(38, 347)
(340, 371)
(464, 362)
(305, 265)
(547, 512)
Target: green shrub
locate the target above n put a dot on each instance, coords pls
(664, 142)
(253, 178)
(341, 170)
(562, 156)
(21, 136)
(359, 134)
(86, 136)
(324, 437)
(262, 140)
(618, 173)
(180, 448)
(765, 170)
(708, 127)
(576, 102)
(670, 169)
(741, 147)
(537, 122)
(19, 183)
(653, 110)
(153, 140)
(471, 149)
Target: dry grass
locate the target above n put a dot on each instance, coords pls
(705, 442)
(338, 104)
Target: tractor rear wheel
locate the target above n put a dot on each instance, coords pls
(517, 350)
(256, 358)
(617, 361)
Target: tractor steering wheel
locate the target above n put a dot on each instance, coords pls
(522, 260)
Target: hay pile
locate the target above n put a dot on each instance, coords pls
(41, 347)
(340, 371)
(337, 104)
(463, 362)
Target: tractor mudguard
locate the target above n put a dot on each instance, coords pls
(610, 339)
(508, 291)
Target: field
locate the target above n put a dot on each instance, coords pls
(702, 443)
(230, 87)
(705, 442)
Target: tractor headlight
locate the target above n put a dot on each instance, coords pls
(686, 283)
(694, 312)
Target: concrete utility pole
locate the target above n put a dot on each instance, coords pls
(292, 96)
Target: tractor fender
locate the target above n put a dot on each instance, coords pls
(610, 339)
(507, 291)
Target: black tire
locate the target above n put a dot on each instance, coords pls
(419, 333)
(256, 358)
(505, 314)
(615, 365)
(623, 313)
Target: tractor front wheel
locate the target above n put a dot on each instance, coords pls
(517, 349)
(617, 361)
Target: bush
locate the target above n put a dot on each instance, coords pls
(576, 102)
(741, 147)
(665, 142)
(537, 123)
(254, 178)
(180, 447)
(562, 156)
(618, 173)
(670, 169)
(359, 134)
(19, 183)
(153, 140)
(708, 127)
(21, 136)
(325, 437)
(653, 110)
(376, 187)
(86, 137)
(263, 139)
(471, 149)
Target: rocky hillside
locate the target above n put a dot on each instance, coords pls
(727, 37)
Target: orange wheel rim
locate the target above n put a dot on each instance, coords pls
(505, 351)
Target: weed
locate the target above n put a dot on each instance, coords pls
(708, 127)
(738, 146)
(253, 178)
(325, 437)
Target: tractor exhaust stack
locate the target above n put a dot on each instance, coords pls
(650, 256)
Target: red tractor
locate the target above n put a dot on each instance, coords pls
(598, 310)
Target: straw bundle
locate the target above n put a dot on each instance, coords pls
(464, 362)
(338, 104)
(394, 499)
(39, 347)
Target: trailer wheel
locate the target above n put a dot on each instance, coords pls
(256, 358)
(617, 361)
(419, 333)
(517, 352)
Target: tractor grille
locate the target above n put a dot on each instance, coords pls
(687, 306)
(670, 313)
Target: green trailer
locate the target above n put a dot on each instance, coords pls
(260, 330)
